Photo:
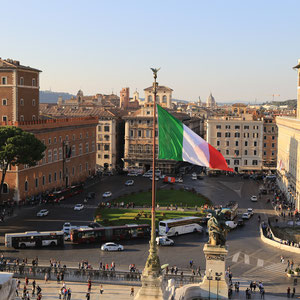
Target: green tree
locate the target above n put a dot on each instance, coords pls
(18, 147)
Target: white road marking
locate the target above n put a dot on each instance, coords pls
(260, 262)
(247, 259)
(235, 257)
(277, 268)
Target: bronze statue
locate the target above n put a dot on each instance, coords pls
(217, 228)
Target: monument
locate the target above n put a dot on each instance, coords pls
(214, 284)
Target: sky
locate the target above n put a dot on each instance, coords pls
(237, 50)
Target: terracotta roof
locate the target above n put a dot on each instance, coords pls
(14, 64)
(239, 105)
(159, 88)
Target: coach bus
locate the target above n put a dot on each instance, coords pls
(109, 234)
(178, 226)
(231, 210)
(34, 239)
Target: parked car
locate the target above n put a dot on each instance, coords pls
(179, 180)
(253, 198)
(164, 241)
(133, 174)
(246, 216)
(231, 224)
(250, 211)
(107, 194)
(78, 207)
(112, 247)
(42, 213)
(240, 222)
(129, 182)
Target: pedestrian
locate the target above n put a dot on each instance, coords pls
(27, 295)
(33, 291)
(89, 285)
(288, 292)
(262, 293)
(101, 289)
(26, 280)
(58, 278)
(17, 292)
(294, 292)
(88, 296)
(132, 291)
(38, 290)
(191, 263)
(46, 278)
(69, 294)
(59, 293)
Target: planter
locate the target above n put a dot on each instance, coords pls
(297, 273)
(289, 275)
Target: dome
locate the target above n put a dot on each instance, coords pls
(211, 102)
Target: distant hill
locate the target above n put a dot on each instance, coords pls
(291, 103)
(51, 97)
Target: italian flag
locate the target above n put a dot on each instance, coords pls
(178, 142)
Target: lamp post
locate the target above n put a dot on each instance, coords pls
(218, 278)
(209, 278)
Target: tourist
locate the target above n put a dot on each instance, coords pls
(288, 292)
(88, 296)
(101, 289)
(132, 291)
(69, 294)
(46, 278)
(262, 293)
(89, 285)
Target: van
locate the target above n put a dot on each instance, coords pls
(164, 241)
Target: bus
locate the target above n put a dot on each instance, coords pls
(178, 226)
(231, 210)
(34, 239)
(109, 234)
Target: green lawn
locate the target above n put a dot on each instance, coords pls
(166, 198)
(121, 216)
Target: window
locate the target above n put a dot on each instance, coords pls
(149, 98)
(265, 129)
(86, 166)
(26, 186)
(5, 188)
(218, 143)
(93, 146)
(254, 152)
(87, 135)
(86, 147)
(73, 150)
(80, 168)
(236, 162)
(33, 102)
(246, 127)
(265, 152)
(139, 133)
(22, 118)
(106, 128)
(227, 126)
(218, 126)
(237, 134)
(4, 118)
(4, 102)
(60, 175)
(273, 145)
(237, 127)
(3, 80)
(33, 82)
(246, 152)
(273, 137)
(228, 161)
(227, 143)
(131, 133)
(236, 152)
(219, 134)
(50, 178)
(254, 162)
(60, 153)
(106, 156)
(255, 144)
(106, 147)
(80, 136)
(99, 128)
(36, 182)
(272, 128)
(80, 149)
(43, 180)
(227, 152)
(265, 137)
(49, 156)
(21, 80)
(273, 153)
(245, 162)
(49, 141)
(67, 137)
(265, 145)
(236, 143)
(164, 99)
(73, 171)
(22, 102)
(148, 134)
(227, 134)
(55, 154)
(246, 143)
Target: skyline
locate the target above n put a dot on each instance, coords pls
(237, 51)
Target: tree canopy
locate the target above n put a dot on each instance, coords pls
(18, 147)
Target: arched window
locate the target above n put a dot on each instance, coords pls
(26, 186)
(164, 99)
(5, 188)
(157, 99)
(149, 98)
(139, 148)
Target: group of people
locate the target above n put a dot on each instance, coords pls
(26, 294)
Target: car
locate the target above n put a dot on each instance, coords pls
(240, 222)
(148, 174)
(194, 176)
(250, 211)
(253, 198)
(129, 182)
(107, 194)
(179, 180)
(246, 216)
(133, 174)
(78, 207)
(42, 213)
(108, 173)
(91, 195)
(112, 247)
(231, 224)
(164, 241)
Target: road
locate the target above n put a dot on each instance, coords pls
(248, 257)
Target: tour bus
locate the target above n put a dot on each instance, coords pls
(231, 210)
(178, 226)
(109, 234)
(34, 239)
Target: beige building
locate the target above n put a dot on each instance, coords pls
(288, 156)
(163, 96)
(239, 139)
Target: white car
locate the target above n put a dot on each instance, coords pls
(112, 247)
(194, 176)
(78, 207)
(246, 216)
(164, 241)
(253, 198)
(231, 224)
(107, 195)
(179, 180)
(129, 182)
(250, 211)
(42, 213)
(148, 174)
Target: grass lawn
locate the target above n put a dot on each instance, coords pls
(166, 198)
(122, 216)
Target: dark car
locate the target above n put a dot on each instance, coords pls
(240, 222)
(91, 195)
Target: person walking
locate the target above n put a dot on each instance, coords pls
(101, 289)
(46, 278)
(288, 292)
(294, 292)
(89, 285)
(88, 296)
(69, 294)
(132, 292)
(262, 293)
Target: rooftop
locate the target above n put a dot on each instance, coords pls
(14, 64)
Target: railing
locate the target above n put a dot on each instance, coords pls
(82, 275)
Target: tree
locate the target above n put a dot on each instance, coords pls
(18, 147)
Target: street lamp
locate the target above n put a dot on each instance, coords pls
(218, 278)
(209, 278)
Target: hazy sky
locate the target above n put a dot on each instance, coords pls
(238, 50)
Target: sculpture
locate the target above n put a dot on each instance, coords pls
(217, 228)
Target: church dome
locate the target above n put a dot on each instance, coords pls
(211, 102)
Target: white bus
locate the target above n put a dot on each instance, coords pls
(34, 239)
(178, 226)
